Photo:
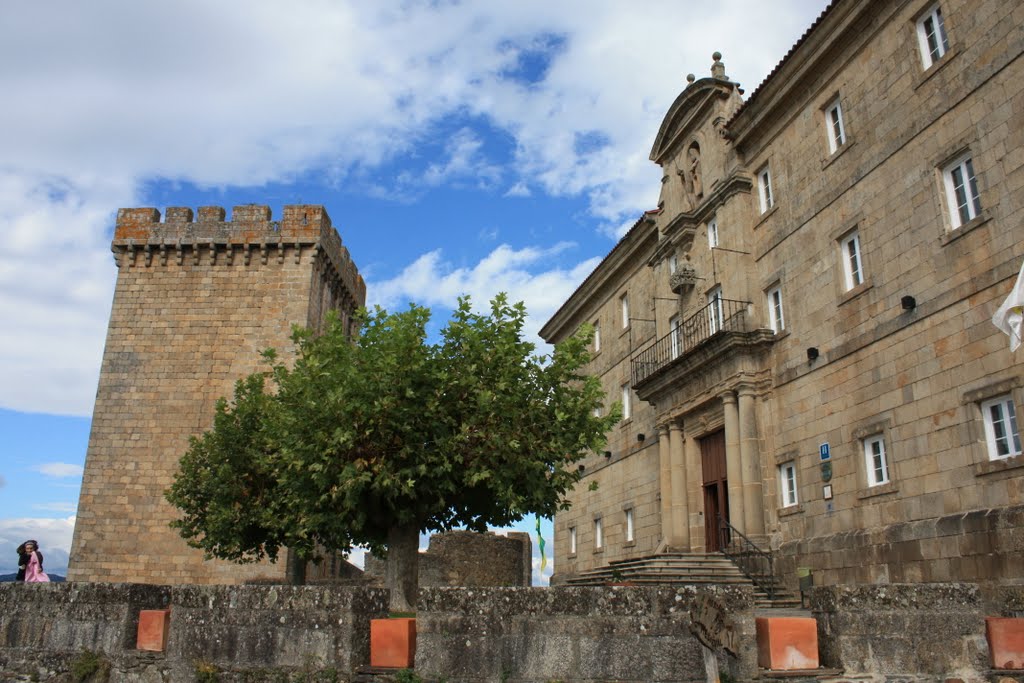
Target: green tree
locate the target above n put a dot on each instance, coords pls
(373, 439)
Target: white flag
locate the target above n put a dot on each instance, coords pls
(1010, 316)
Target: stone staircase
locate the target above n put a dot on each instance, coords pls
(672, 568)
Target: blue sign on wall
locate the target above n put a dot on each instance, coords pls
(824, 452)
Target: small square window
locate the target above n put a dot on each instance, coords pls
(629, 526)
(598, 534)
(961, 189)
(775, 315)
(713, 233)
(834, 127)
(876, 463)
(597, 336)
(1001, 432)
(931, 36)
(572, 540)
(624, 308)
(787, 484)
(853, 267)
(764, 189)
(627, 404)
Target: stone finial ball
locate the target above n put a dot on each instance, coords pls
(690, 78)
(716, 56)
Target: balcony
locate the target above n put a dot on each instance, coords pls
(720, 318)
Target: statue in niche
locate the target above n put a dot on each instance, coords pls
(693, 186)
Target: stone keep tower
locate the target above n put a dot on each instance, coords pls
(195, 303)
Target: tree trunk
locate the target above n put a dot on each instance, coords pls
(402, 575)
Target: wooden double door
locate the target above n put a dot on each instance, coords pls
(716, 488)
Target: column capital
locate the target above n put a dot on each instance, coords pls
(746, 389)
(675, 424)
(728, 397)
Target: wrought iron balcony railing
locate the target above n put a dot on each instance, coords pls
(719, 315)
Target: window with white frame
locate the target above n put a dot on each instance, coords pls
(853, 266)
(961, 191)
(629, 525)
(931, 36)
(834, 126)
(597, 336)
(1001, 432)
(715, 310)
(673, 264)
(624, 309)
(627, 404)
(598, 534)
(875, 460)
(572, 540)
(673, 331)
(787, 484)
(713, 233)
(775, 316)
(764, 189)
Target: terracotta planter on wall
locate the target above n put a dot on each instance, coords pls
(392, 643)
(154, 625)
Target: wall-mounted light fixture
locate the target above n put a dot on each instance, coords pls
(812, 353)
(908, 303)
(581, 468)
(607, 455)
(640, 437)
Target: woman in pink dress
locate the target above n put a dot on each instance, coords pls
(34, 570)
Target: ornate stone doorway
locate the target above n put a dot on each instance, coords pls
(716, 489)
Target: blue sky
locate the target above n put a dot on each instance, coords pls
(459, 147)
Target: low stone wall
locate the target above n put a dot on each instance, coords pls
(238, 631)
(583, 635)
(910, 632)
(977, 546)
(468, 558)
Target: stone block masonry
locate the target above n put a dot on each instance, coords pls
(197, 299)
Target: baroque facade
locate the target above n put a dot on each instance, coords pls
(197, 299)
(800, 332)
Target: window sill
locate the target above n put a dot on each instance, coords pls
(781, 334)
(936, 67)
(1000, 465)
(880, 490)
(626, 421)
(790, 510)
(599, 551)
(953, 234)
(831, 158)
(629, 544)
(624, 330)
(765, 216)
(851, 294)
(571, 556)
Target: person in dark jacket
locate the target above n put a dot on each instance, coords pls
(23, 558)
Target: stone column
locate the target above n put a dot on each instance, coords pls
(733, 464)
(665, 484)
(695, 492)
(680, 511)
(750, 457)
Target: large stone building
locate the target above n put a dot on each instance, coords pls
(800, 331)
(195, 303)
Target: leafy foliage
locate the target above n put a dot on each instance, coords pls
(385, 430)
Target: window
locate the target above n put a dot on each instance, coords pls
(931, 36)
(673, 264)
(572, 540)
(627, 408)
(764, 189)
(877, 466)
(624, 305)
(961, 191)
(673, 330)
(597, 336)
(775, 317)
(853, 269)
(629, 525)
(787, 483)
(715, 312)
(713, 233)
(598, 534)
(1001, 432)
(834, 127)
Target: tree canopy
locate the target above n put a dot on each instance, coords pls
(374, 438)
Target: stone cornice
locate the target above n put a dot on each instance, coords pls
(691, 106)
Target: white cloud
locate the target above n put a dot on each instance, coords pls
(59, 469)
(55, 507)
(431, 281)
(520, 189)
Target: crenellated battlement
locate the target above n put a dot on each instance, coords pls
(141, 238)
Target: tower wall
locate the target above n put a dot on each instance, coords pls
(195, 303)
